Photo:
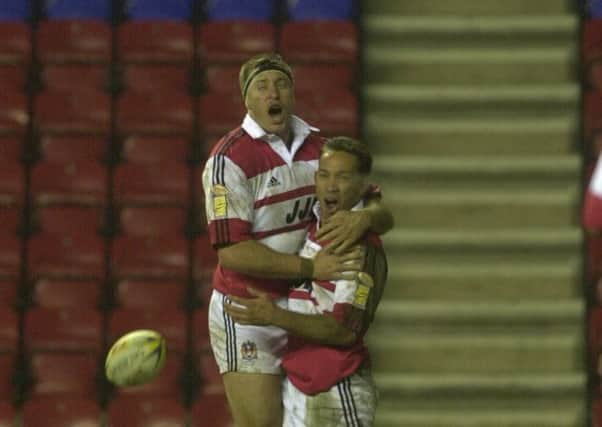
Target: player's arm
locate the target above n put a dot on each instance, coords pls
(379, 217)
(345, 228)
(229, 205)
(319, 328)
(256, 259)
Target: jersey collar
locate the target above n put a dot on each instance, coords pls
(301, 130)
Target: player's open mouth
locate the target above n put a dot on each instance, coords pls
(331, 204)
(275, 111)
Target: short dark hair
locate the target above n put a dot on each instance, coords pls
(353, 147)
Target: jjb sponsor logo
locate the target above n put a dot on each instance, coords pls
(301, 210)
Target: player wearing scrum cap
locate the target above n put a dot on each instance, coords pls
(328, 380)
(259, 189)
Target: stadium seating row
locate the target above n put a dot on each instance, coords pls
(75, 81)
(79, 328)
(85, 183)
(89, 112)
(127, 411)
(179, 9)
(76, 41)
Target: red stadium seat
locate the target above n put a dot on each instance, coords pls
(10, 218)
(15, 43)
(592, 121)
(67, 220)
(212, 407)
(67, 78)
(83, 112)
(164, 113)
(7, 366)
(8, 293)
(162, 42)
(154, 150)
(10, 256)
(200, 334)
(76, 256)
(67, 149)
(316, 78)
(595, 336)
(152, 221)
(12, 183)
(9, 330)
(166, 384)
(210, 377)
(68, 374)
(14, 115)
(10, 245)
(592, 40)
(74, 41)
(220, 113)
(222, 78)
(10, 149)
(592, 111)
(593, 74)
(592, 53)
(167, 185)
(171, 323)
(320, 41)
(57, 411)
(205, 257)
(12, 78)
(57, 294)
(81, 182)
(7, 414)
(164, 257)
(203, 289)
(235, 41)
(150, 294)
(66, 329)
(142, 411)
(597, 412)
(157, 78)
(205, 145)
(334, 113)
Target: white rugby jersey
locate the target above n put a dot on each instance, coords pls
(256, 188)
(314, 368)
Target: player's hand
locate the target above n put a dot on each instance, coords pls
(343, 229)
(331, 266)
(251, 311)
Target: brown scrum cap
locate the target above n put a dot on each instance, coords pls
(258, 64)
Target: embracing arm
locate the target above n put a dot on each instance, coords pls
(319, 328)
(379, 216)
(256, 259)
(261, 310)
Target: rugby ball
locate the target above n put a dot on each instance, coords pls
(136, 358)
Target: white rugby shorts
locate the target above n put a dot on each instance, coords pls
(244, 348)
(350, 403)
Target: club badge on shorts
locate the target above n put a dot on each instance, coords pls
(248, 351)
(220, 202)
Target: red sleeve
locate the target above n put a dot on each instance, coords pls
(227, 231)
